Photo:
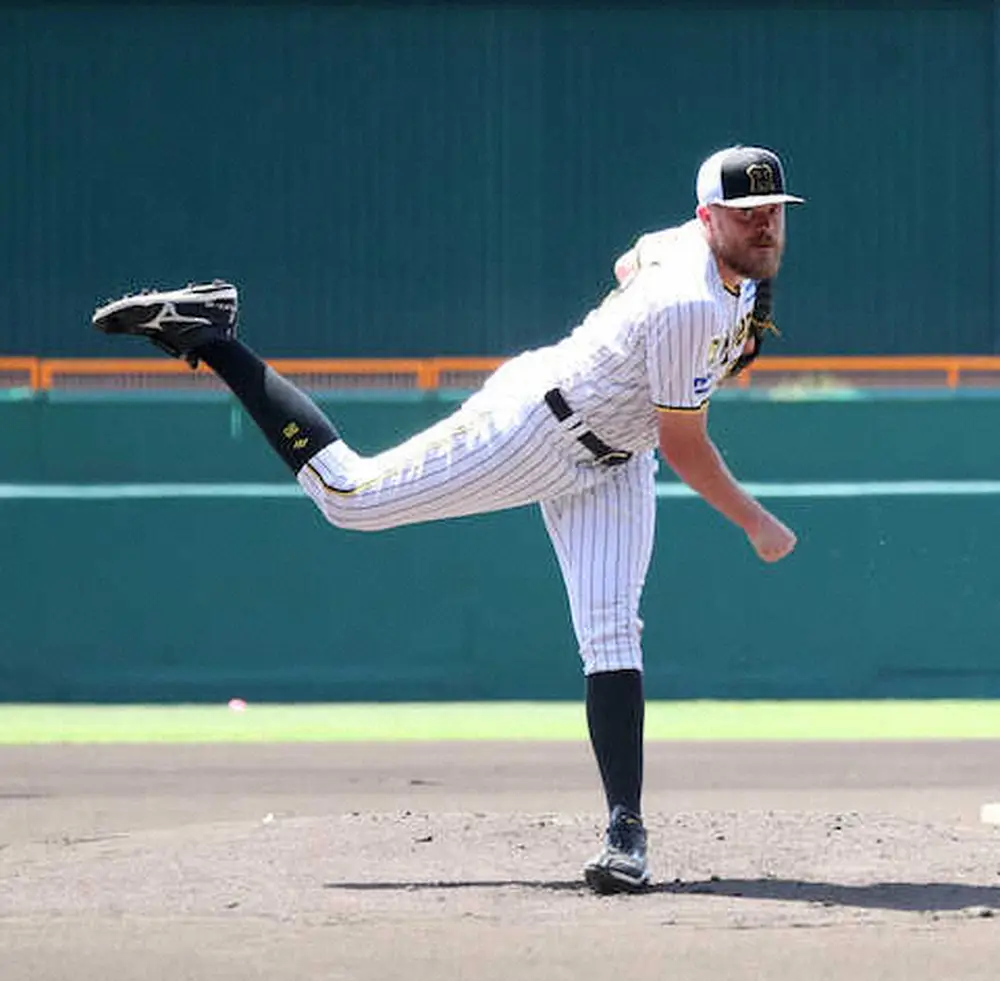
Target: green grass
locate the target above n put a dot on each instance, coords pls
(28, 724)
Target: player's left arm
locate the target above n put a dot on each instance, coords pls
(687, 447)
(684, 365)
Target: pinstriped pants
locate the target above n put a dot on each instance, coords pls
(501, 452)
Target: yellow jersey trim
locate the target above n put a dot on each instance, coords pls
(682, 408)
(327, 487)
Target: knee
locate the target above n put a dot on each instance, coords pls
(347, 518)
(600, 659)
(616, 646)
(350, 514)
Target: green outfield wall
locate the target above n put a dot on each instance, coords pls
(393, 179)
(118, 588)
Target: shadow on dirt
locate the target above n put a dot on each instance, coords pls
(916, 896)
(548, 885)
(913, 896)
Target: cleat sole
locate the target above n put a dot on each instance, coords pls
(606, 881)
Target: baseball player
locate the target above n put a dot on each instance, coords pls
(572, 427)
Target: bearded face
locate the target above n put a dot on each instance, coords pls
(747, 241)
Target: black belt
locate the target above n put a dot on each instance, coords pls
(603, 453)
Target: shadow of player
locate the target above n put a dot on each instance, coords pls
(914, 896)
(911, 896)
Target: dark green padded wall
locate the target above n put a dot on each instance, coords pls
(458, 178)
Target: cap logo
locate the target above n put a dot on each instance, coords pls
(761, 177)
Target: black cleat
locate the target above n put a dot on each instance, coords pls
(621, 865)
(176, 321)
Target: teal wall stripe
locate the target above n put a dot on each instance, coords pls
(765, 491)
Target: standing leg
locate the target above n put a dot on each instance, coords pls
(603, 539)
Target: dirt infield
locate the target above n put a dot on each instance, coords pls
(461, 861)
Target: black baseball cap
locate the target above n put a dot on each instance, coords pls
(743, 177)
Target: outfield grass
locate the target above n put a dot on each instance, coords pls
(393, 722)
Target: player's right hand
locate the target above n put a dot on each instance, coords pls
(772, 540)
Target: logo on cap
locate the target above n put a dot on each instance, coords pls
(761, 178)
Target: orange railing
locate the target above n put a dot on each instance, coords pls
(20, 373)
(68, 374)
(934, 371)
(427, 374)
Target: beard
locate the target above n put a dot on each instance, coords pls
(750, 262)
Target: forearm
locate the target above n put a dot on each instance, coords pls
(702, 468)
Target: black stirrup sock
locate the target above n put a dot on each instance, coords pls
(292, 423)
(615, 718)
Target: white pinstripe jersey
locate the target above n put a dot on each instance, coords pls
(662, 340)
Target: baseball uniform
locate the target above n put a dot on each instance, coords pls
(571, 427)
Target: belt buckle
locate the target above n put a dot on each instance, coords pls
(613, 458)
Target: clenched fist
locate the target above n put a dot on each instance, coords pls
(772, 540)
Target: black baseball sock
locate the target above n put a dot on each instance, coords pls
(291, 421)
(615, 717)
